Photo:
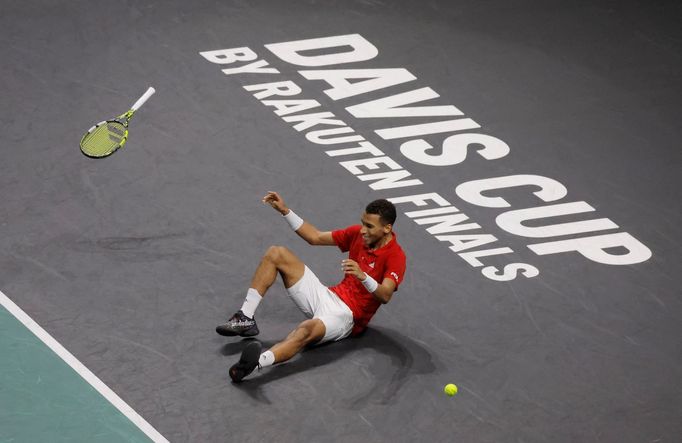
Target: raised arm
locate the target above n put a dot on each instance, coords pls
(305, 230)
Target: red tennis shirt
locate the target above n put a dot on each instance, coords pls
(386, 262)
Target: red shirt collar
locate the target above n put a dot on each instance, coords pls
(384, 249)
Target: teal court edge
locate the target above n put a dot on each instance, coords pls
(42, 398)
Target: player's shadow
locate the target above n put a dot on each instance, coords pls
(235, 348)
(408, 358)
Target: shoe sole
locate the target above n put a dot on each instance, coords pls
(233, 334)
(250, 354)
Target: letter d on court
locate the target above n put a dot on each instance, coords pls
(360, 50)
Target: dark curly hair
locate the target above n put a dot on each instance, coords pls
(384, 209)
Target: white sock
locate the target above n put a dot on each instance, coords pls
(251, 302)
(267, 358)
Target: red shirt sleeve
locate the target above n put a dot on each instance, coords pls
(344, 237)
(395, 268)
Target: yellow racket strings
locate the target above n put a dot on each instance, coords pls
(104, 139)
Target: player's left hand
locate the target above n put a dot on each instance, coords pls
(352, 267)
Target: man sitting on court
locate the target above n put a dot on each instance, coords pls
(373, 271)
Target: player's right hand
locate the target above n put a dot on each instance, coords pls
(276, 201)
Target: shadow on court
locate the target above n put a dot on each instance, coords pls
(129, 262)
(408, 359)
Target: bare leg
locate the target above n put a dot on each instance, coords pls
(308, 332)
(277, 259)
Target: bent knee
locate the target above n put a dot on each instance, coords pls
(277, 253)
(310, 331)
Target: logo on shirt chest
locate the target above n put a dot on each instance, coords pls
(370, 264)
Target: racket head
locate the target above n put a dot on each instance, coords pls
(104, 138)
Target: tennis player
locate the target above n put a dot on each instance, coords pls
(373, 271)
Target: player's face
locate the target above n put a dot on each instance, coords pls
(373, 230)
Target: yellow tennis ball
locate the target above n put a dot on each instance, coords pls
(450, 389)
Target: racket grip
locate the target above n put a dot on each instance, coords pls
(143, 99)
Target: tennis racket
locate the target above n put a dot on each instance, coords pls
(108, 136)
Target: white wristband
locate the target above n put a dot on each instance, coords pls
(294, 220)
(370, 284)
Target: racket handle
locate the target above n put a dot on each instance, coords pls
(143, 99)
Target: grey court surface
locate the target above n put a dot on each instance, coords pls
(130, 262)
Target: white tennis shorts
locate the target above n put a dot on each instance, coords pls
(315, 300)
